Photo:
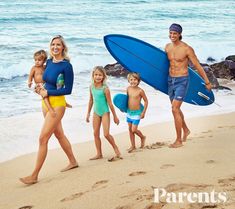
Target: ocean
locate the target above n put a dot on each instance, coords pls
(27, 26)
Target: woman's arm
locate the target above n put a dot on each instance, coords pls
(68, 83)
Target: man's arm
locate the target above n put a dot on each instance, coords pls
(193, 58)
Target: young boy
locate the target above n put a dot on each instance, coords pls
(134, 112)
(36, 74)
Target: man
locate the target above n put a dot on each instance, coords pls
(179, 55)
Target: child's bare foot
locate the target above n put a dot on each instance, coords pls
(186, 135)
(143, 139)
(176, 144)
(70, 166)
(131, 149)
(28, 180)
(69, 105)
(97, 157)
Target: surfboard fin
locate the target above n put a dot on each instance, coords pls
(207, 98)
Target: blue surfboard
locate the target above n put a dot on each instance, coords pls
(153, 66)
(121, 102)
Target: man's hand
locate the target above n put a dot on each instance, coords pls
(208, 86)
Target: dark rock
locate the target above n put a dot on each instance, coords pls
(116, 70)
(231, 57)
(224, 88)
(203, 64)
(210, 59)
(212, 78)
(230, 64)
(222, 70)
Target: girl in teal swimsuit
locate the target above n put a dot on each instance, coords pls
(101, 99)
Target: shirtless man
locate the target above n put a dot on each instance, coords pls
(179, 55)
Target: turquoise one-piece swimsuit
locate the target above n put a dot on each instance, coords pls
(99, 100)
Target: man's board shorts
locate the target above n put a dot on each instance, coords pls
(178, 87)
(55, 101)
(133, 116)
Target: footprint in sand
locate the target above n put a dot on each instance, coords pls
(132, 194)
(73, 196)
(202, 206)
(26, 207)
(165, 166)
(145, 197)
(210, 161)
(137, 173)
(124, 207)
(206, 132)
(155, 206)
(156, 145)
(227, 181)
(185, 187)
(99, 183)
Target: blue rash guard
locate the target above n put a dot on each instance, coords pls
(51, 73)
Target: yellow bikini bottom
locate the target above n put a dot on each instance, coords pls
(55, 101)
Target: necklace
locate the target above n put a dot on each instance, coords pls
(55, 60)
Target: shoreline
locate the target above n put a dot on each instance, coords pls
(24, 139)
(203, 164)
(21, 138)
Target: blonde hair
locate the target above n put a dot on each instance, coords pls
(65, 50)
(40, 53)
(101, 70)
(134, 75)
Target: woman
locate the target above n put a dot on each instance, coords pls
(56, 65)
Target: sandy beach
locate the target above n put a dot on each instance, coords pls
(205, 163)
(199, 175)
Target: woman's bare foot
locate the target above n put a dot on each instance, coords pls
(28, 180)
(70, 166)
(131, 149)
(97, 157)
(176, 144)
(143, 139)
(186, 134)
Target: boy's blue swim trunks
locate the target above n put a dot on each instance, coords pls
(133, 116)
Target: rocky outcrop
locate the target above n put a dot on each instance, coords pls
(231, 58)
(224, 69)
(116, 70)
